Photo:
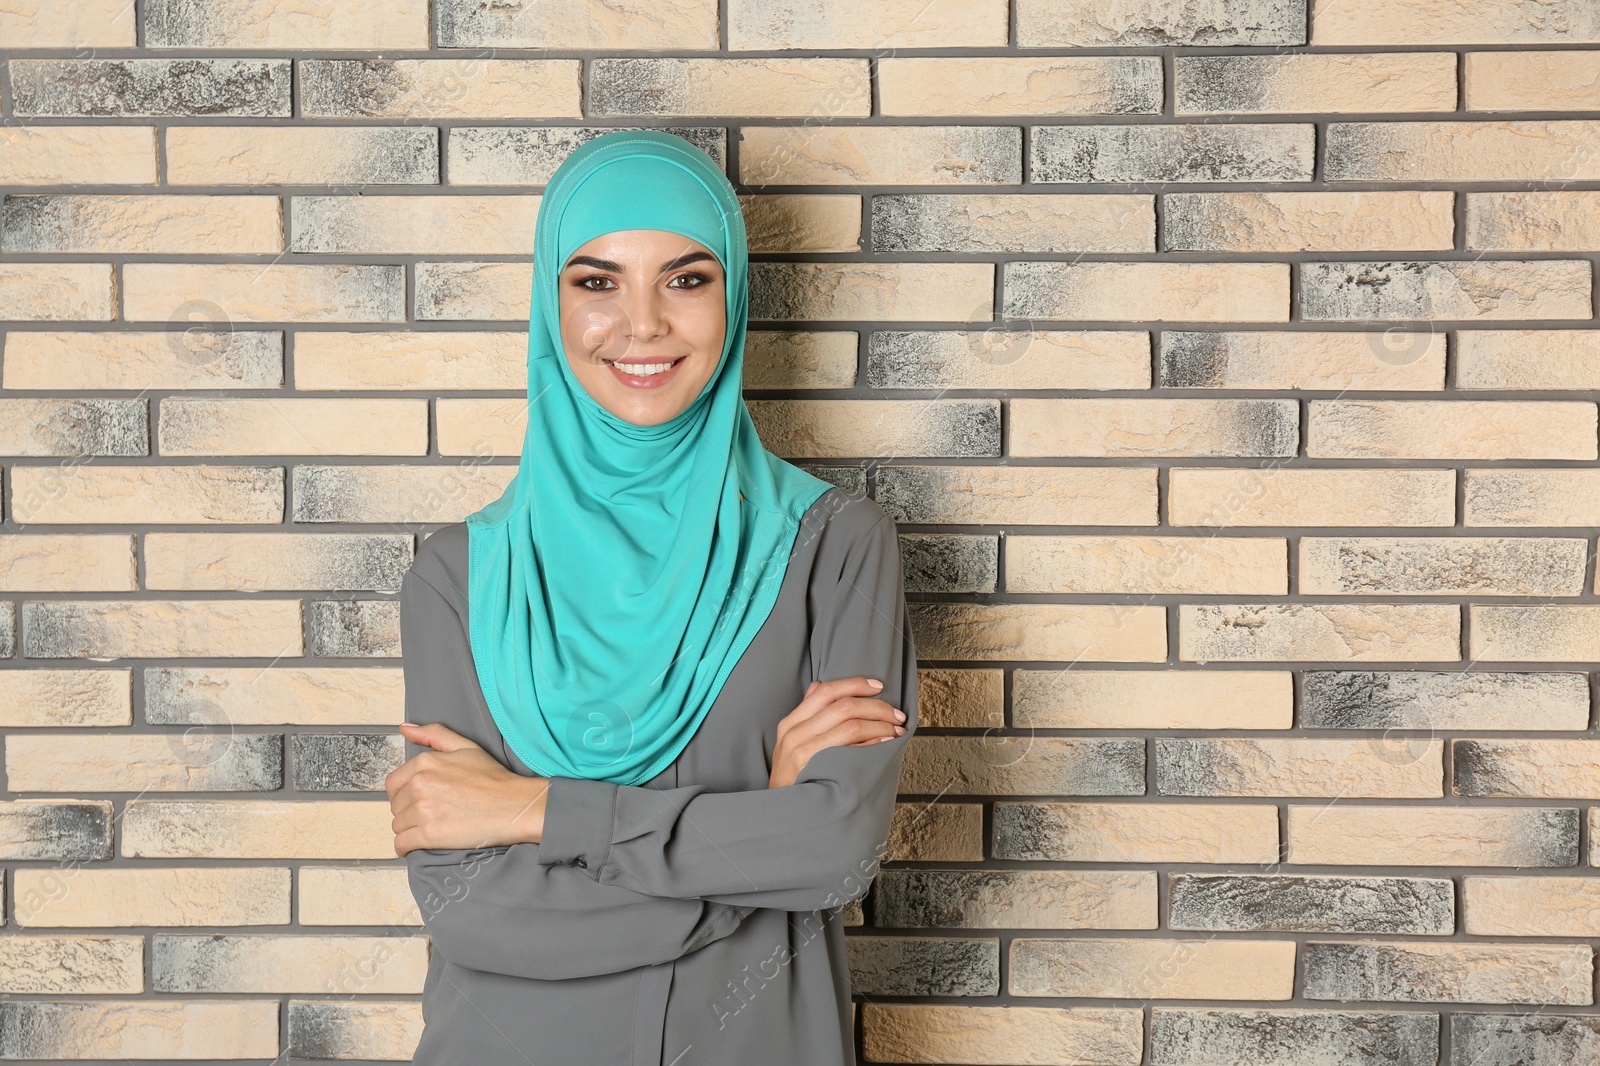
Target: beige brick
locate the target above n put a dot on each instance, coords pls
(1148, 968)
(167, 896)
(1149, 152)
(1309, 221)
(1430, 22)
(80, 24)
(287, 24)
(441, 88)
(1002, 1036)
(1535, 632)
(48, 156)
(1451, 429)
(142, 225)
(258, 829)
(627, 24)
(1451, 973)
(485, 292)
(1291, 84)
(1533, 221)
(1009, 359)
(1138, 292)
(1414, 835)
(1448, 566)
(1005, 87)
(146, 495)
(1137, 832)
(392, 492)
(415, 225)
(276, 561)
(833, 292)
(935, 832)
(1475, 290)
(1594, 836)
(1077, 23)
(289, 426)
(802, 222)
(1396, 360)
(79, 427)
(1528, 359)
(146, 762)
(1020, 495)
(1337, 632)
(273, 292)
(1126, 427)
(1081, 632)
(795, 359)
(346, 965)
(761, 25)
(1152, 699)
(57, 292)
(1281, 496)
(56, 698)
(1014, 222)
(1546, 769)
(529, 155)
(828, 428)
(880, 155)
(115, 629)
(1519, 80)
(813, 89)
(1147, 564)
(411, 360)
(481, 428)
(189, 359)
(1531, 906)
(952, 698)
(149, 1028)
(281, 695)
(991, 765)
(71, 965)
(356, 895)
(1298, 766)
(1532, 498)
(1463, 151)
(1449, 700)
(310, 155)
(64, 562)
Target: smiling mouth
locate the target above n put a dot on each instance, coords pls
(648, 368)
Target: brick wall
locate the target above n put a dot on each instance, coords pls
(1230, 367)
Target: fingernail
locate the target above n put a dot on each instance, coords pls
(408, 723)
(874, 682)
(899, 715)
(882, 739)
(899, 729)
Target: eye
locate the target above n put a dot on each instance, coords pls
(699, 280)
(583, 283)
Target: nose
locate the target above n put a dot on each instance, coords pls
(645, 318)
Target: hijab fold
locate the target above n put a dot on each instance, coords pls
(618, 579)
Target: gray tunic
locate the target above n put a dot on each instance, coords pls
(692, 920)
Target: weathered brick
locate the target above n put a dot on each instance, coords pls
(1287, 496)
(1061, 1036)
(1150, 968)
(759, 88)
(1292, 1037)
(325, 24)
(256, 829)
(821, 428)
(1522, 80)
(143, 225)
(481, 428)
(1445, 700)
(1309, 221)
(1331, 83)
(441, 88)
(283, 695)
(481, 292)
(38, 426)
(1559, 769)
(1008, 359)
(271, 963)
(834, 292)
(1287, 903)
(428, 225)
(81, 24)
(1463, 151)
(782, 24)
(411, 360)
(148, 628)
(1147, 564)
(1532, 497)
(1196, 151)
(57, 292)
(1450, 972)
(949, 562)
(1077, 23)
(681, 24)
(1124, 427)
(1079, 698)
(71, 965)
(1016, 899)
(77, 155)
(1021, 85)
(1250, 632)
(345, 762)
(1136, 832)
(1393, 361)
(1079, 632)
(1532, 906)
(161, 897)
(295, 426)
(1013, 222)
(395, 492)
(1475, 290)
(799, 359)
(354, 628)
(1020, 495)
(512, 155)
(1450, 566)
(62, 829)
(880, 155)
(357, 895)
(917, 966)
(1297, 766)
(1451, 429)
(1139, 292)
(306, 155)
(61, 698)
(1026, 765)
(1363, 834)
(147, 494)
(249, 762)
(272, 292)
(276, 561)
(802, 222)
(1430, 22)
(144, 1028)
(952, 698)
(1533, 221)
(191, 359)
(935, 832)
(1528, 359)
(1534, 1038)
(323, 1029)
(89, 88)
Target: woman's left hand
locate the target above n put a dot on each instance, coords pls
(457, 796)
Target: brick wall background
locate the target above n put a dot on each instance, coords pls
(1230, 366)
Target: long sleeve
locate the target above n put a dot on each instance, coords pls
(807, 846)
(502, 908)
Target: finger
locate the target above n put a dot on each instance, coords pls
(841, 711)
(437, 736)
(853, 733)
(826, 692)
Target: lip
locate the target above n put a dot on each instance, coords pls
(652, 381)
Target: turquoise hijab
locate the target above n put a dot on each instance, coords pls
(623, 572)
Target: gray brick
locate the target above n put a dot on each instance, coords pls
(345, 762)
(1549, 288)
(1013, 222)
(852, 479)
(1011, 899)
(514, 155)
(1209, 23)
(1255, 151)
(73, 427)
(79, 830)
(1316, 904)
(1424, 699)
(83, 88)
(1464, 972)
(352, 628)
(8, 629)
(1293, 1037)
(949, 562)
(918, 966)
(1525, 1039)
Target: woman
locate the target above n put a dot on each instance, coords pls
(668, 678)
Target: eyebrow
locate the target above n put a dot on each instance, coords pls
(616, 268)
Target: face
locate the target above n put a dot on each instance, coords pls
(643, 318)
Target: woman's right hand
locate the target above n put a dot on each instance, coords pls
(833, 714)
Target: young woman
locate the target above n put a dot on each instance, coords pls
(663, 685)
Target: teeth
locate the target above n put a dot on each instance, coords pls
(644, 369)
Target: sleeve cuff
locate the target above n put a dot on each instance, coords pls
(579, 817)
